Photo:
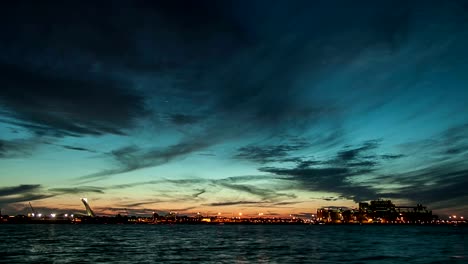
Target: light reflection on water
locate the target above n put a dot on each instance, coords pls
(232, 244)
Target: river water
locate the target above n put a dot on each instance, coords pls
(232, 244)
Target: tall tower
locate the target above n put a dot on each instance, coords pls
(89, 211)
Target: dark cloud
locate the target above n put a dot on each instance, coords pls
(26, 197)
(451, 143)
(325, 179)
(77, 190)
(260, 61)
(287, 203)
(229, 203)
(207, 154)
(338, 174)
(264, 193)
(132, 158)
(270, 153)
(258, 53)
(77, 148)
(20, 189)
(392, 157)
(359, 157)
(68, 106)
(244, 179)
(442, 184)
(23, 148)
(353, 154)
(134, 184)
(198, 193)
(18, 148)
(140, 43)
(22, 193)
(188, 182)
(331, 198)
(438, 177)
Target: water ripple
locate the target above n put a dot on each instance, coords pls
(232, 244)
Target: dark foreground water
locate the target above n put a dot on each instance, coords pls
(232, 244)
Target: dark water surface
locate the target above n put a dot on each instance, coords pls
(232, 244)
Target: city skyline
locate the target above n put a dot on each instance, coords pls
(233, 106)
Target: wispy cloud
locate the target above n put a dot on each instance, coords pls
(230, 203)
(132, 158)
(18, 148)
(270, 153)
(77, 190)
(22, 193)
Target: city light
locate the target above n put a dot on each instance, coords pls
(371, 213)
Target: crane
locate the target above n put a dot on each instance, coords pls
(32, 209)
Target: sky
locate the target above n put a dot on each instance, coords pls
(273, 107)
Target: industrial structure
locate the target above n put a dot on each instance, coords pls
(377, 211)
(89, 211)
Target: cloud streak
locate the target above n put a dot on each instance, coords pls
(22, 193)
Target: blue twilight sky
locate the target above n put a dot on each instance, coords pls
(278, 107)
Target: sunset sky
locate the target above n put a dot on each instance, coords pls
(279, 107)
